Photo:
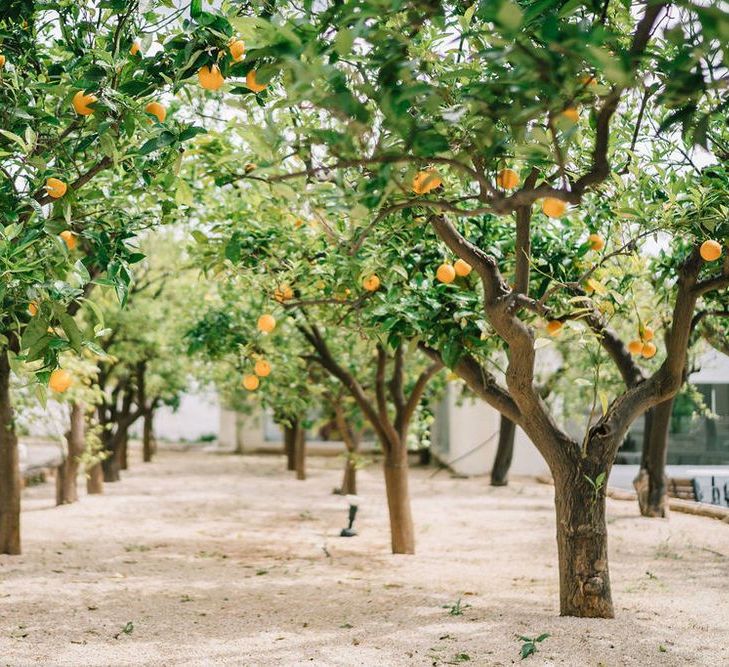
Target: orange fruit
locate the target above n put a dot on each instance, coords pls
(649, 350)
(156, 109)
(647, 334)
(710, 251)
(283, 293)
(587, 80)
(571, 114)
(134, 49)
(60, 380)
(262, 368)
(554, 208)
(33, 308)
(69, 238)
(553, 327)
(56, 188)
(250, 382)
(635, 346)
(2, 61)
(507, 179)
(266, 323)
(462, 268)
(252, 84)
(81, 103)
(596, 241)
(425, 181)
(250, 166)
(237, 50)
(371, 283)
(446, 273)
(210, 77)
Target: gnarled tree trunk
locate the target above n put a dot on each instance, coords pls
(584, 578)
(10, 480)
(351, 443)
(95, 479)
(402, 532)
(67, 472)
(504, 453)
(651, 482)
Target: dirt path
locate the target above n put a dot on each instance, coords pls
(222, 560)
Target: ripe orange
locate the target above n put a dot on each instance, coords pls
(250, 382)
(81, 103)
(134, 50)
(553, 327)
(266, 323)
(371, 283)
(262, 368)
(462, 268)
(60, 380)
(596, 241)
(446, 273)
(252, 83)
(554, 208)
(33, 308)
(2, 61)
(156, 109)
(635, 346)
(250, 166)
(647, 334)
(710, 251)
(237, 50)
(571, 114)
(56, 188)
(283, 293)
(425, 181)
(210, 77)
(69, 238)
(507, 179)
(649, 350)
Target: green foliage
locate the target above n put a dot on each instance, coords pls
(529, 646)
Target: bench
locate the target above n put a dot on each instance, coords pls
(685, 488)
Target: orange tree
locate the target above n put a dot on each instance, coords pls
(84, 143)
(481, 112)
(291, 282)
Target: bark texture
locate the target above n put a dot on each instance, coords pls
(402, 532)
(582, 547)
(67, 472)
(300, 450)
(10, 481)
(95, 480)
(651, 483)
(504, 453)
(289, 434)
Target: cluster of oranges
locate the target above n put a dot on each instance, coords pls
(446, 272)
(211, 78)
(642, 345)
(261, 369)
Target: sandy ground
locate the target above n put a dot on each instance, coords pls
(212, 559)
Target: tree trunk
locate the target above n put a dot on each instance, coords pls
(300, 451)
(398, 500)
(349, 481)
(10, 480)
(651, 482)
(148, 435)
(112, 463)
(67, 473)
(584, 580)
(124, 450)
(504, 453)
(95, 480)
(289, 433)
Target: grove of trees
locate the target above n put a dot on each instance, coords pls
(333, 205)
